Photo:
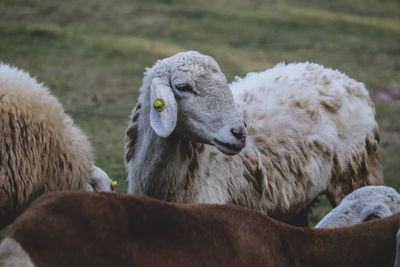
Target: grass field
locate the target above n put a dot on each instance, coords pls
(92, 53)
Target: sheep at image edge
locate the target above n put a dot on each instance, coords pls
(311, 131)
(364, 204)
(41, 149)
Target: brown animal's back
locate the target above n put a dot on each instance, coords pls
(118, 230)
(103, 229)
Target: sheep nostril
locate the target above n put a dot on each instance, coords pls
(238, 133)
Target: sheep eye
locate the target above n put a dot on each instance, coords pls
(183, 87)
(371, 217)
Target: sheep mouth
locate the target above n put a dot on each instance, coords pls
(228, 148)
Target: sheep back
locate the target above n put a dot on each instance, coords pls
(312, 127)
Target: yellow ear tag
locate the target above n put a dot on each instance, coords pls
(114, 184)
(159, 104)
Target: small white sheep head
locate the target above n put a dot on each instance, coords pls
(190, 98)
(364, 204)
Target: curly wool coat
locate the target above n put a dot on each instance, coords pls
(41, 149)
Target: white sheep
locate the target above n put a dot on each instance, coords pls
(41, 149)
(364, 204)
(311, 131)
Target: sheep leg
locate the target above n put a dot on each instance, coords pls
(397, 260)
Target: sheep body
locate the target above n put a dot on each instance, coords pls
(41, 148)
(311, 131)
(366, 203)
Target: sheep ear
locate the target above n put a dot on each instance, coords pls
(163, 113)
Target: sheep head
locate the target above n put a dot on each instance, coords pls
(364, 204)
(190, 98)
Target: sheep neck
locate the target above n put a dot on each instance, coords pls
(156, 172)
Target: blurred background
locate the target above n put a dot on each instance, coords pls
(92, 54)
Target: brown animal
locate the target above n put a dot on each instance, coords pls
(104, 229)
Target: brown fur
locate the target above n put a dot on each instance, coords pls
(102, 229)
(132, 133)
(364, 169)
(277, 158)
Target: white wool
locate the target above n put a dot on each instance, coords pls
(311, 131)
(358, 206)
(40, 146)
(278, 89)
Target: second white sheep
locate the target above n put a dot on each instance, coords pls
(311, 131)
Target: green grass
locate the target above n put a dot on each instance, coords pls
(92, 54)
